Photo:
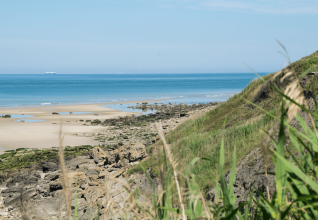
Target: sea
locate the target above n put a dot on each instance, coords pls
(28, 90)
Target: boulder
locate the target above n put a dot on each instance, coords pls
(112, 156)
(78, 161)
(98, 155)
(52, 176)
(56, 185)
(133, 152)
(49, 166)
(137, 152)
(76, 178)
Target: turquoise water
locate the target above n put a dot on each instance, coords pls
(21, 90)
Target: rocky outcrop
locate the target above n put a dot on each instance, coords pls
(250, 177)
(162, 112)
(98, 179)
(98, 155)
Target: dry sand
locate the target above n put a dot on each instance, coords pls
(45, 134)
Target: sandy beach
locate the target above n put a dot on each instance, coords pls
(45, 134)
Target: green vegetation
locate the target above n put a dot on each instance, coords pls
(243, 122)
(21, 157)
(296, 195)
(96, 121)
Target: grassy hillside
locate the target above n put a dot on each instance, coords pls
(201, 136)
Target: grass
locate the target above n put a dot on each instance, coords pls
(243, 122)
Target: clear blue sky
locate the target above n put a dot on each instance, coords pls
(154, 36)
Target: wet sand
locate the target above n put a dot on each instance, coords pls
(45, 134)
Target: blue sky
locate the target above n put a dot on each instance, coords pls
(154, 36)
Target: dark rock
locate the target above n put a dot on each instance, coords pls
(52, 176)
(54, 186)
(49, 166)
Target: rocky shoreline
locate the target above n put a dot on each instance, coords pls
(141, 128)
(96, 174)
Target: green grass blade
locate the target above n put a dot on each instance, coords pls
(247, 210)
(293, 139)
(316, 110)
(98, 213)
(167, 195)
(285, 123)
(233, 213)
(232, 179)
(281, 174)
(188, 212)
(306, 179)
(75, 211)
(217, 191)
(311, 134)
(226, 199)
(267, 206)
(294, 158)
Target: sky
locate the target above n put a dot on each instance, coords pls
(154, 36)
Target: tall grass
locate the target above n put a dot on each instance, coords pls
(296, 195)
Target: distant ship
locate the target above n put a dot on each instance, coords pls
(50, 73)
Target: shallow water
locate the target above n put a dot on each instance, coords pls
(123, 107)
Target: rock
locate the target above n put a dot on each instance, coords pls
(76, 178)
(116, 174)
(93, 183)
(137, 152)
(52, 176)
(56, 185)
(93, 178)
(247, 177)
(49, 166)
(98, 155)
(78, 161)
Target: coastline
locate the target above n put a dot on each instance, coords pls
(45, 134)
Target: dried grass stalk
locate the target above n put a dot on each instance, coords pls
(277, 74)
(295, 92)
(108, 206)
(64, 179)
(173, 164)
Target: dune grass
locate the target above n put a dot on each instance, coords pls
(243, 122)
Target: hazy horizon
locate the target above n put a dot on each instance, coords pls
(158, 36)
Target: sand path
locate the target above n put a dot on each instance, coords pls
(45, 134)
